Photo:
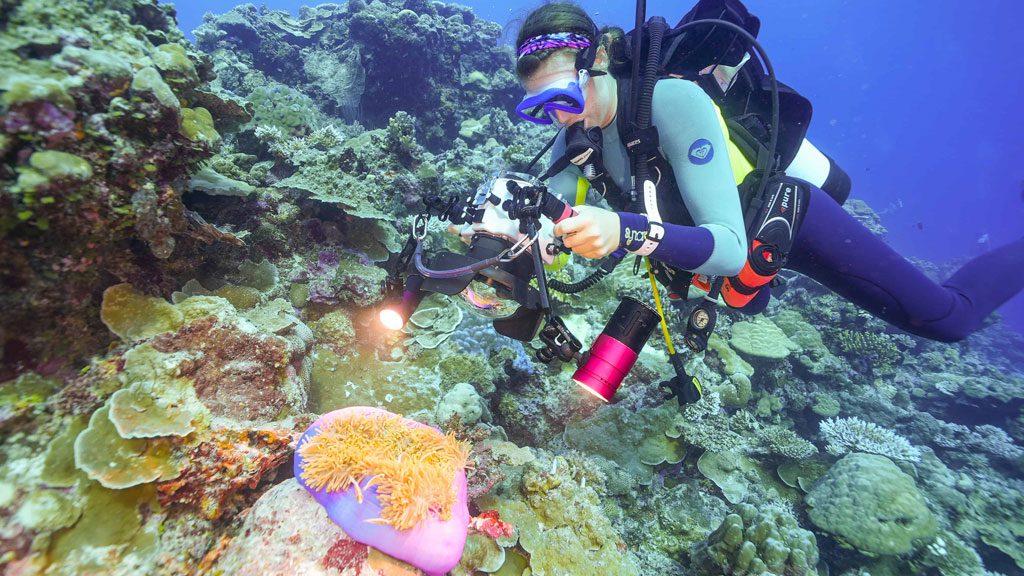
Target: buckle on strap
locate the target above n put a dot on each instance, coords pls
(655, 233)
(641, 143)
(655, 229)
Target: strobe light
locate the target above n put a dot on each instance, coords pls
(616, 349)
(397, 310)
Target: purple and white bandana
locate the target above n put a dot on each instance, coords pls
(549, 41)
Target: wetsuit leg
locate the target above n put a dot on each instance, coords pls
(811, 165)
(837, 251)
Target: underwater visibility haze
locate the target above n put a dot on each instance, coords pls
(282, 292)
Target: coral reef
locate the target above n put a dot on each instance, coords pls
(194, 240)
(347, 55)
(97, 145)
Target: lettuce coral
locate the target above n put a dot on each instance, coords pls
(118, 462)
(134, 316)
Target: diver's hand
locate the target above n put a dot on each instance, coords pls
(592, 233)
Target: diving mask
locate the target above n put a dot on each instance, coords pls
(566, 95)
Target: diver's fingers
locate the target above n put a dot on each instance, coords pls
(571, 225)
(589, 246)
(581, 237)
(573, 240)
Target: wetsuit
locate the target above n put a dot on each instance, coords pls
(831, 246)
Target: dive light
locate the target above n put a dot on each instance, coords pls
(615, 351)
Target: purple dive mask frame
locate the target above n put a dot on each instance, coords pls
(567, 95)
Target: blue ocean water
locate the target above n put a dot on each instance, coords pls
(918, 102)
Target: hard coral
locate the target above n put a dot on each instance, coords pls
(752, 541)
(867, 502)
(237, 374)
(845, 435)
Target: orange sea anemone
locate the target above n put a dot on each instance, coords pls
(411, 467)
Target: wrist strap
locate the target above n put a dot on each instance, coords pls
(655, 230)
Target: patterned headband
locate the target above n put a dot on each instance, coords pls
(548, 41)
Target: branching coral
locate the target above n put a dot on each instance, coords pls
(411, 468)
(878, 348)
(786, 442)
(845, 435)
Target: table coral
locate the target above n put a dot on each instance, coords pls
(844, 435)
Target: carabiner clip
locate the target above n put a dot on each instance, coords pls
(419, 227)
(517, 249)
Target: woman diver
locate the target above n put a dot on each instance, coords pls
(702, 168)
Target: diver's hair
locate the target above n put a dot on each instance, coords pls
(567, 17)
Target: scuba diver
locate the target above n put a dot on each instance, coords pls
(713, 185)
(691, 220)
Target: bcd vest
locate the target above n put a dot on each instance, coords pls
(748, 155)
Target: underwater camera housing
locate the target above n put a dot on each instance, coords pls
(506, 242)
(494, 278)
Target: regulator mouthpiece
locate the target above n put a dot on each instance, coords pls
(615, 351)
(396, 313)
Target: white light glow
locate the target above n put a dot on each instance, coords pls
(391, 319)
(589, 389)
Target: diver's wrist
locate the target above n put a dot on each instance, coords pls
(632, 230)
